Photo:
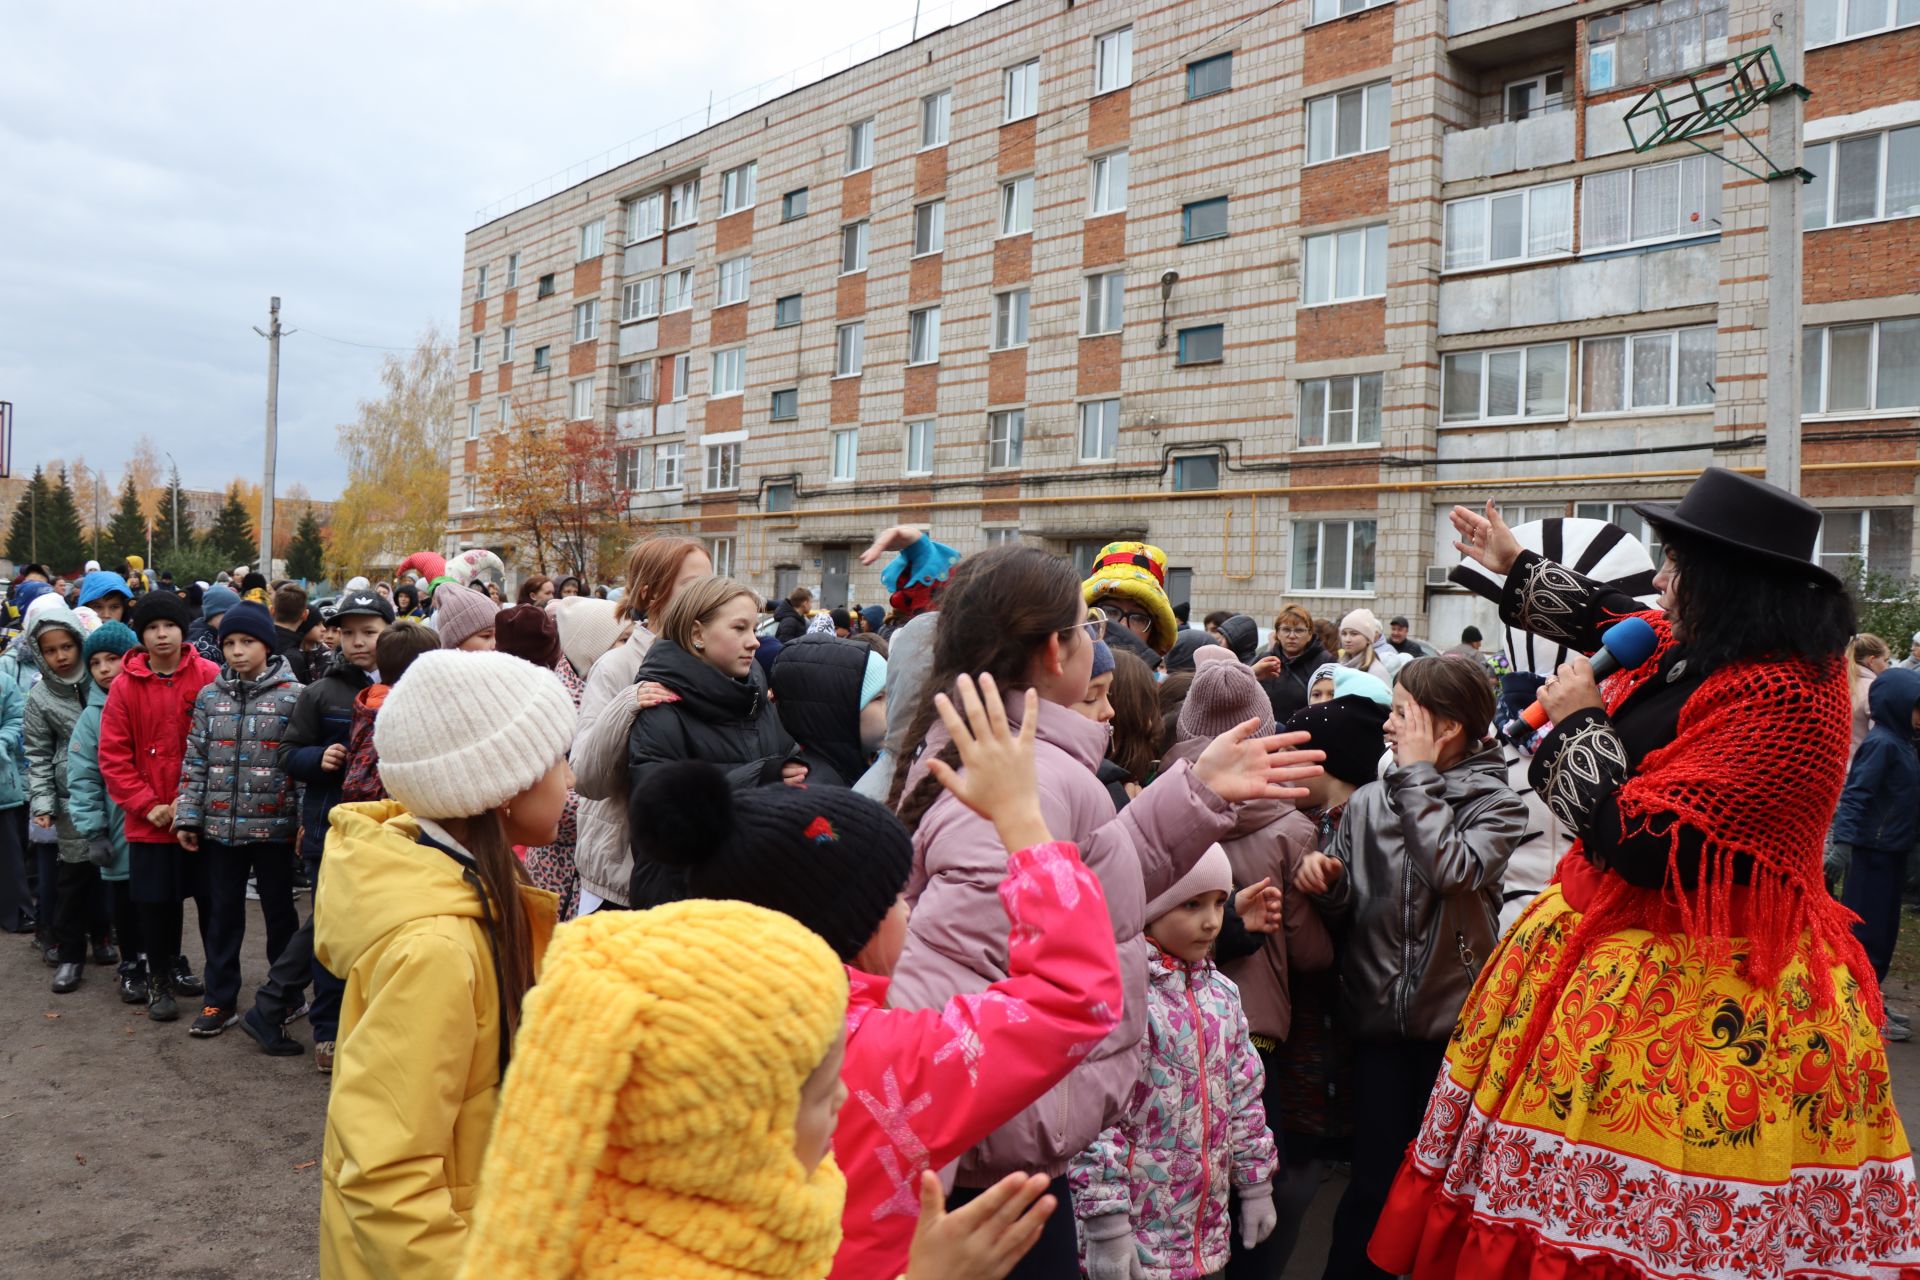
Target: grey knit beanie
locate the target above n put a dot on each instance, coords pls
(459, 612)
(1223, 694)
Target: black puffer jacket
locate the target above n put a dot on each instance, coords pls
(788, 622)
(1242, 635)
(723, 721)
(1288, 690)
(816, 685)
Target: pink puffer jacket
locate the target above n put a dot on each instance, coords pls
(957, 939)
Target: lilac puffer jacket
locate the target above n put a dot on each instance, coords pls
(1194, 1129)
(957, 938)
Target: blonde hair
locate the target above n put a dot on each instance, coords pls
(697, 603)
(1866, 645)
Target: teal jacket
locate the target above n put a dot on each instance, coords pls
(93, 812)
(14, 684)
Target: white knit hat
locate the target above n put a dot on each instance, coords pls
(459, 612)
(588, 628)
(1213, 871)
(467, 732)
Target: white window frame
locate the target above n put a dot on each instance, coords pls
(1112, 60)
(936, 119)
(506, 344)
(736, 187)
(722, 471)
(1318, 586)
(1373, 243)
(720, 553)
(1847, 564)
(860, 145)
(1323, 121)
(1020, 91)
(669, 465)
(1100, 420)
(1550, 103)
(1108, 184)
(473, 421)
(1006, 438)
(843, 455)
(640, 299)
(646, 216)
(503, 411)
(923, 336)
(1328, 10)
(579, 397)
(918, 448)
(853, 247)
(593, 239)
(480, 282)
(1016, 206)
(929, 228)
(1354, 435)
(676, 291)
(479, 362)
(1012, 319)
(1841, 16)
(682, 375)
(1628, 341)
(586, 320)
(1822, 378)
(1825, 186)
(729, 374)
(626, 466)
(1103, 303)
(513, 270)
(736, 280)
(635, 388)
(849, 349)
(1481, 209)
(1709, 167)
(471, 491)
(1526, 353)
(683, 204)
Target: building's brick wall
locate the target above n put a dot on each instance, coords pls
(1868, 260)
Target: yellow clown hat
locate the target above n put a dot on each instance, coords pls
(1136, 571)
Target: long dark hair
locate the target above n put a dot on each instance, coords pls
(1453, 688)
(1136, 717)
(999, 608)
(503, 915)
(1729, 609)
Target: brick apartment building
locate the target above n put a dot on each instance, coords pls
(1270, 285)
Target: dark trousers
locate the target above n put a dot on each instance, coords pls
(228, 866)
(165, 876)
(1391, 1085)
(287, 981)
(1872, 892)
(16, 896)
(78, 910)
(1258, 1263)
(1056, 1254)
(46, 885)
(126, 920)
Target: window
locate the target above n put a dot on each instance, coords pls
(1348, 123)
(1210, 76)
(542, 358)
(929, 227)
(1483, 231)
(1010, 318)
(1106, 297)
(1878, 540)
(546, 286)
(786, 405)
(1831, 20)
(1113, 60)
(923, 336)
(786, 311)
(1196, 473)
(859, 146)
(1672, 370)
(682, 375)
(1344, 265)
(503, 410)
(1876, 175)
(723, 466)
(1536, 95)
(480, 282)
(1600, 67)
(683, 203)
(1861, 368)
(1109, 183)
(793, 205)
(643, 216)
(720, 551)
(1099, 430)
(853, 247)
(736, 280)
(636, 382)
(1328, 10)
(1021, 91)
(506, 344)
(1508, 385)
(1655, 202)
(470, 486)
(1004, 432)
(1333, 556)
(473, 421)
(1008, 536)
(1340, 411)
(1016, 206)
(729, 372)
(849, 343)
(936, 113)
(919, 459)
(640, 299)
(593, 238)
(513, 270)
(626, 468)
(778, 497)
(1203, 220)
(666, 465)
(586, 320)
(676, 290)
(479, 354)
(736, 188)
(1204, 344)
(845, 455)
(580, 399)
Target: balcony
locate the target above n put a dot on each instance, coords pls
(670, 418)
(1626, 284)
(1474, 15)
(1508, 147)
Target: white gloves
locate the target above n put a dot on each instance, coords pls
(1111, 1254)
(1257, 1215)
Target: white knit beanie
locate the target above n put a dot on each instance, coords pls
(467, 732)
(1363, 621)
(588, 628)
(1213, 871)
(460, 611)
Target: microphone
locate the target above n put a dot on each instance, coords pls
(1627, 643)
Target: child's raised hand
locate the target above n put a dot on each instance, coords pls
(983, 1239)
(1318, 873)
(1238, 766)
(996, 777)
(1259, 906)
(1416, 739)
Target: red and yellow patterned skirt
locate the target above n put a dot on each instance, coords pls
(1675, 1122)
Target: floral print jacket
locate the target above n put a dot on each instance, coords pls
(1194, 1127)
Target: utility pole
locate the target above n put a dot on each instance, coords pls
(96, 513)
(272, 335)
(173, 491)
(1783, 255)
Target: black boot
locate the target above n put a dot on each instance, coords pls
(133, 982)
(160, 1004)
(105, 953)
(184, 983)
(66, 978)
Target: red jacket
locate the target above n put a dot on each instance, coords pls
(926, 1085)
(143, 737)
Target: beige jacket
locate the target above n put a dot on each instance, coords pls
(599, 759)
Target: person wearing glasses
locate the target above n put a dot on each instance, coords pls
(1286, 669)
(1129, 585)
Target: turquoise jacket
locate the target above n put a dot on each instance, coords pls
(93, 813)
(14, 684)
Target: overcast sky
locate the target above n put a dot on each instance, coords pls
(164, 169)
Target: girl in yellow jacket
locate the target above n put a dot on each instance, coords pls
(424, 910)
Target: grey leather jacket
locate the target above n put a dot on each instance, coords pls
(1424, 854)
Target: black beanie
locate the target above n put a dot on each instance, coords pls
(249, 619)
(1350, 730)
(830, 858)
(160, 606)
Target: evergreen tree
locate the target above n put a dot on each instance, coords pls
(126, 534)
(232, 532)
(22, 546)
(307, 553)
(63, 539)
(164, 540)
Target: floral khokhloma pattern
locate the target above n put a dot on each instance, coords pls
(1673, 1114)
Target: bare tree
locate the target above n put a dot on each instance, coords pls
(395, 501)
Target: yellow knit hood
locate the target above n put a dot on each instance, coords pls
(646, 1127)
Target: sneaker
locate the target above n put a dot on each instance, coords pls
(323, 1056)
(160, 1003)
(51, 954)
(184, 983)
(296, 1013)
(212, 1021)
(105, 953)
(66, 978)
(271, 1040)
(1904, 1019)
(133, 983)
(253, 890)
(1894, 1032)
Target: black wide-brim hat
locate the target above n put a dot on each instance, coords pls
(1759, 521)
